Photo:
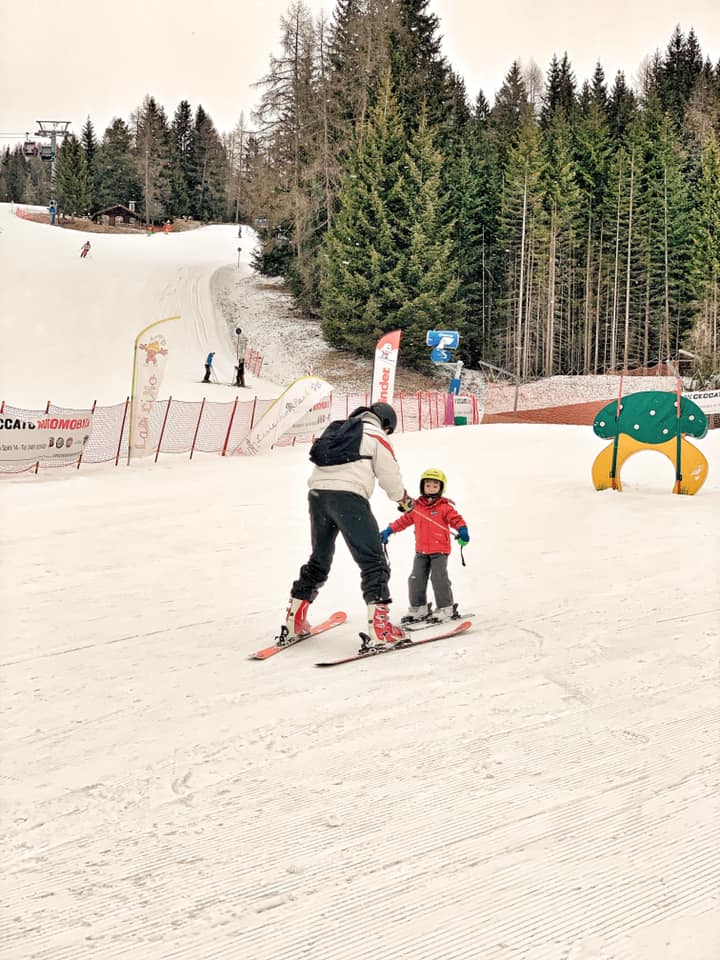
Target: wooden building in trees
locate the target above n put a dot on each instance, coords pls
(110, 215)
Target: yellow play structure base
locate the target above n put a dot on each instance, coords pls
(693, 465)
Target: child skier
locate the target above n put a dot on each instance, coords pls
(433, 517)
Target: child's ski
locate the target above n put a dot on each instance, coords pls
(406, 645)
(432, 621)
(283, 642)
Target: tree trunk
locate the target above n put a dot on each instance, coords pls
(628, 271)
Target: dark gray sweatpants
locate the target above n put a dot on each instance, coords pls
(435, 567)
(333, 512)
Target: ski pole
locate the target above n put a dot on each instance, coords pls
(616, 438)
(678, 447)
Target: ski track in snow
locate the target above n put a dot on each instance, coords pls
(545, 787)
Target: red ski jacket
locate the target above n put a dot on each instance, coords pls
(432, 519)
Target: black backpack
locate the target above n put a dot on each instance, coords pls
(339, 443)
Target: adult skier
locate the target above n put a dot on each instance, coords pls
(242, 342)
(339, 503)
(84, 249)
(208, 367)
(433, 516)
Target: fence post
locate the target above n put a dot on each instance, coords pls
(47, 407)
(197, 427)
(419, 401)
(402, 413)
(227, 435)
(2, 407)
(162, 429)
(91, 413)
(122, 427)
(252, 412)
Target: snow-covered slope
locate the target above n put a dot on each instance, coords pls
(68, 325)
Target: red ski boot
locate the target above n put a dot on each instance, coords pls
(296, 618)
(381, 631)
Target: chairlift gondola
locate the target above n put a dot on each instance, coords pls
(30, 149)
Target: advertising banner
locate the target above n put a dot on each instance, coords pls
(150, 355)
(707, 400)
(314, 422)
(386, 356)
(44, 436)
(298, 400)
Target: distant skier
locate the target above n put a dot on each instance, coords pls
(433, 517)
(242, 342)
(84, 249)
(208, 367)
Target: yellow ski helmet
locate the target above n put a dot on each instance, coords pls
(433, 474)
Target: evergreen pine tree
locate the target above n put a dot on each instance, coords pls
(90, 146)
(705, 255)
(182, 172)
(521, 235)
(14, 176)
(116, 176)
(430, 272)
(209, 169)
(421, 77)
(361, 284)
(558, 272)
(72, 182)
(509, 113)
(622, 108)
(473, 204)
(152, 158)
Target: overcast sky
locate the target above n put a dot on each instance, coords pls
(58, 61)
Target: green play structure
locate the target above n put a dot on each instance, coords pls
(651, 420)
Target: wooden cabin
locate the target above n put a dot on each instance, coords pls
(110, 215)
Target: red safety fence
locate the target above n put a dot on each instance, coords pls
(183, 427)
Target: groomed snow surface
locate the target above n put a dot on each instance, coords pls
(542, 788)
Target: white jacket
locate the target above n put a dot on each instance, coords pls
(360, 475)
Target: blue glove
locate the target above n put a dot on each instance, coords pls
(385, 535)
(463, 536)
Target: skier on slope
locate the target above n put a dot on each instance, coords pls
(208, 367)
(339, 503)
(433, 516)
(242, 342)
(84, 249)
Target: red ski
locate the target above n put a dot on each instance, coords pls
(282, 644)
(406, 645)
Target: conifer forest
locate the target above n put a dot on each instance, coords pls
(566, 228)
